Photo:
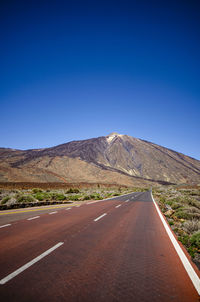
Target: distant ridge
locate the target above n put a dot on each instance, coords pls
(115, 158)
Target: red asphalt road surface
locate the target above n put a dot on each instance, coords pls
(124, 256)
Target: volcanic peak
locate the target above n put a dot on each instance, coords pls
(113, 135)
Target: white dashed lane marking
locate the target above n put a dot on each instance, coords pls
(53, 213)
(27, 265)
(33, 218)
(118, 206)
(5, 225)
(100, 217)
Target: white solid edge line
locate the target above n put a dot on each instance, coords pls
(5, 225)
(119, 205)
(27, 265)
(100, 217)
(53, 212)
(33, 218)
(188, 267)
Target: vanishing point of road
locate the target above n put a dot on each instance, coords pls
(111, 250)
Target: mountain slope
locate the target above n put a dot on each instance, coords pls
(114, 158)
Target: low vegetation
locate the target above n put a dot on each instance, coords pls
(10, 198)
(181, 207)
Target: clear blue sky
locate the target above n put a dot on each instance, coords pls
(73, 70)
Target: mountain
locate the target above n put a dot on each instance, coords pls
(115, 158)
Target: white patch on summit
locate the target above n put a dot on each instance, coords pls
(113, 135)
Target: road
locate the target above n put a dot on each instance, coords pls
(111, 250)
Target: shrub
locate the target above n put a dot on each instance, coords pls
(42, 196)
(71, 190)
(193, 202)
(193, 193)
(96, 196)
(39, 197)
(184, 240)
(86, 197)
(60, 197)
(25, 198)
(191, 251)
(181, 214)
(177, 200)
(162, 199)
(110, 194)
(5, 199)
(176, 206)
(193, 210)
(52, 195)
(191, 226)
(74, 197)
(195, 239)
(194, 216)
(192, 243)
(36, 190)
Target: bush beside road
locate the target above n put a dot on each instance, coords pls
(181, 207)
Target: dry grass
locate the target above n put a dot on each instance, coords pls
(191, 226)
